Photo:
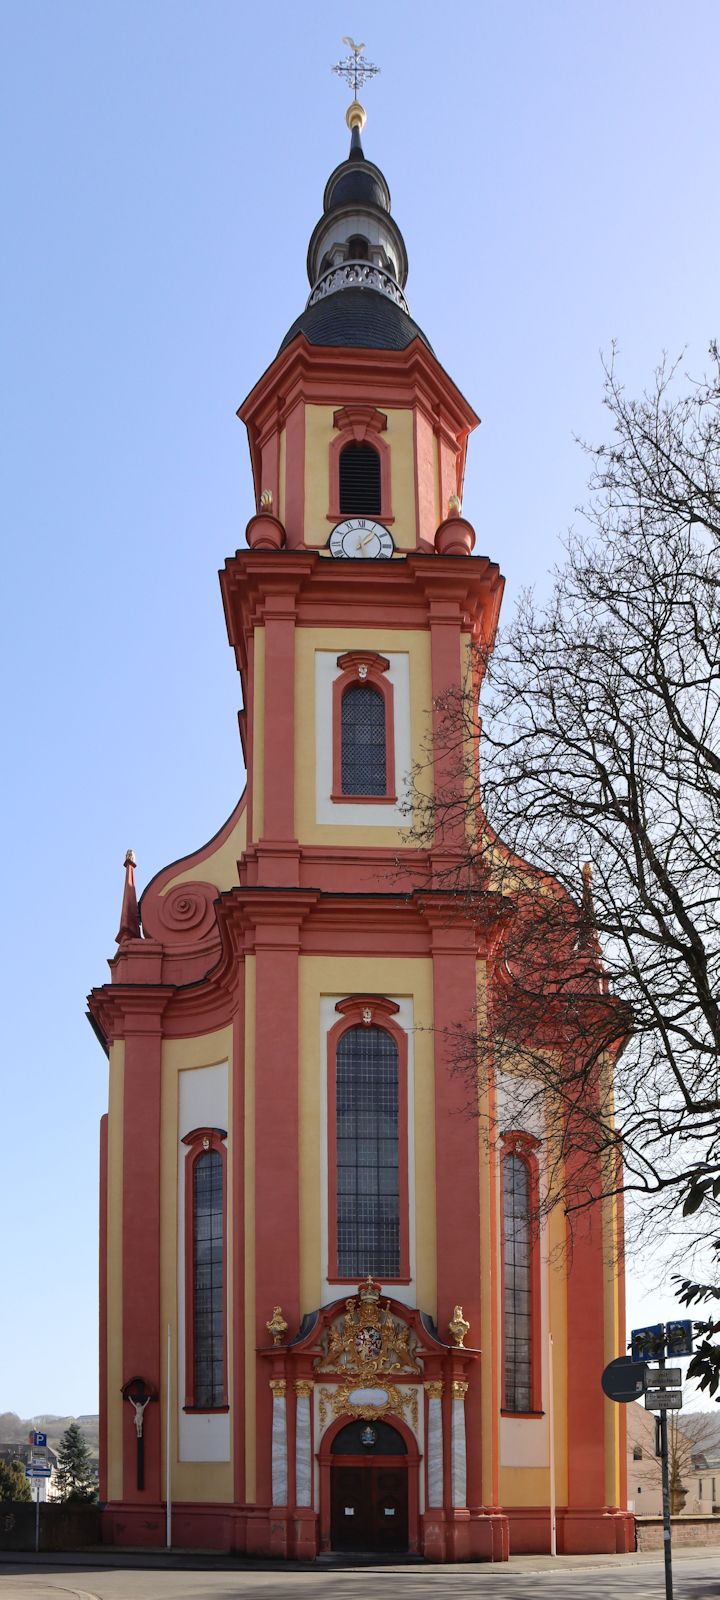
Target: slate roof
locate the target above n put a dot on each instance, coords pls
(361, 319)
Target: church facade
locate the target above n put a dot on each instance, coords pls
(329, 1318)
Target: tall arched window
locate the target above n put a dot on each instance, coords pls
(209, 1298)
(363, 741)
(205, 1270)
(367, 1154)
(360, 490)
(520, 1267)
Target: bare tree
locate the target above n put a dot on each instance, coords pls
(600, 743)
(687, 1437)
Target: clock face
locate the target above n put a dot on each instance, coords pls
(359, 538)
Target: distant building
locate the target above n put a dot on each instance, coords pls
(10, 1452)
(698, 1470)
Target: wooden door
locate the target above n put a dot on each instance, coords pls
(389, 1499)
(369, 1506)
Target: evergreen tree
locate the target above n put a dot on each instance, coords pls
(13, 1483)
(76, 1475)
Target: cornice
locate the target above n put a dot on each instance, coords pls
(318, 589)
(410, 374)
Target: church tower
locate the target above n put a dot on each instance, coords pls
(325, 1305)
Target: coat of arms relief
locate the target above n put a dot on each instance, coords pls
(365, 1345)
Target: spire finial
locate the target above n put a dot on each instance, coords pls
(129, 915)
(356, 71)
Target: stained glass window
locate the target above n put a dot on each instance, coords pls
(208, 1291)
(363, 740)
(517, 1284)
(368, 1199)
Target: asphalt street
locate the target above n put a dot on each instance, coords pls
(696, 1577)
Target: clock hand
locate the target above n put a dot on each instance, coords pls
(367, 538)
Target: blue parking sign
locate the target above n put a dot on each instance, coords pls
(40, 1439)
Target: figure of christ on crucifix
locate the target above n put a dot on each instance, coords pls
(139, 1394)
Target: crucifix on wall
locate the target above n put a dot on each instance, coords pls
(139, 1394)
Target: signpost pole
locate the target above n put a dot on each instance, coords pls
(168, 1445)
(665, 1466)
(37, 1515)
(551, 1439)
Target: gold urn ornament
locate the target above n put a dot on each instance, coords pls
(277, 1326)
(459, 1327)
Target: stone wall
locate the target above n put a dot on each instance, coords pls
(685, 1531)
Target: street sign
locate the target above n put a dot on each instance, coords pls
(679, 1337)
(39, 1439)
(664, 1377)
(647, 1344)
(663, 1400)
(35, 1470)
(625, 1379)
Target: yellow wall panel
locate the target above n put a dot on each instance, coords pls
(341, 975)
(414, 642)
(191, 1480)
(219, 865)
(398, 436)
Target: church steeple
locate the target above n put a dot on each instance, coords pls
(357, 243)
(357, 262)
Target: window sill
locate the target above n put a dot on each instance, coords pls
(205, 1411)
(523, 1415)
(350, 516)
(357, 1279)
(364, 799)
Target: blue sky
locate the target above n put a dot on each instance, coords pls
(553, 167)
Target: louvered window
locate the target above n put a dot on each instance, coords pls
(517, 1287)
(208, 1290)
(364, 762)
(367, 1133)
(359, 480)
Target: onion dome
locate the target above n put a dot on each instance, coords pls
(357, 262)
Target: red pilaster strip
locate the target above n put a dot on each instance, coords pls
(103, 1330)
(279, 731)
(237, 1151)
(277, 1224)
(457, 1161)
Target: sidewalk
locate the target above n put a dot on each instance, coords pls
(104, 1556)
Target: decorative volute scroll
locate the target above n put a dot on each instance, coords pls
(368, 1342)
(185, 915)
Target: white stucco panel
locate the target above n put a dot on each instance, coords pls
(365, 816)
(524, 1442)
(202, 1103)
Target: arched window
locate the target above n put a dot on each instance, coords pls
(358, 248)
(360, 488)
(209, 1298)
(363, 741)
(367, 1154)
(520, 1269)
(359, 462)
(205, 1286)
